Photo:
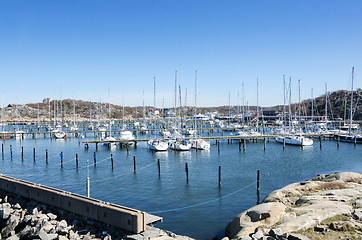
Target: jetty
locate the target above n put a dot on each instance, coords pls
(125, 218)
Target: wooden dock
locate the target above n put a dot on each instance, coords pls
(209, 138)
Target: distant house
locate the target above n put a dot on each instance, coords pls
(47, 100)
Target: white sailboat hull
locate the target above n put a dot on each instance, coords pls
(295, 140)
(157, 145)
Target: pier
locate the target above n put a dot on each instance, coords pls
(125, 218)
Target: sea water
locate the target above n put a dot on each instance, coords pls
(199, 207)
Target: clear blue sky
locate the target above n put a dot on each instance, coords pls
(74, 49)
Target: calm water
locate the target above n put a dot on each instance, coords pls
(145, 190)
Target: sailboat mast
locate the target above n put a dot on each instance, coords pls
(326, 107)
(243, 100)
(175, 106)
(257, 103)
(195, 103)
(312, 105)
(351, 112)
(229, 109)
(143, 103)
(290, 99)
(298, 99)
(154, 101)
(284, 117)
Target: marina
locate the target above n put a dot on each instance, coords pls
(216, 183)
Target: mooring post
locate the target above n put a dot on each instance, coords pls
(94, 158)
(239, 145)
(159, 167)
(34, 154)
(320, 141)
(22, 153)
(244, 145)
(88, 180)
(2, 149)
(61, 159)
(134, 163)
(46, 156)
(338, 139)
(76, 160)
(187, 172)
(112, 160)
(284, 143)
(355, 140)
(11, 151)
(258, 186)
(218, 146)
(96, 146)
(219, 175)
(264, 144)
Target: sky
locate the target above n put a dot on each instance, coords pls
(112, 50)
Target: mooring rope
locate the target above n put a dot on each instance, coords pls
(202, 203)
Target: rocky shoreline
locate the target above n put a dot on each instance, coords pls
(324, 207)
(22, 218)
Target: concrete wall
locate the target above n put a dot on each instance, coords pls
(122, 217)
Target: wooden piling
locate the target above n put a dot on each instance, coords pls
(219, 175)
(284, 143)
(112, 160)
(61, 159)
(258, 186)
(338, 139)
(34, 154)
(239, 145)
(244, 144)
(76, 160)
(2, 150)
(46, 156)
(94, 158)
(159, 167)
(320, 142)
(218, 146)
(187, 172)
(355, 140)
(134, 163)
(264, 144)
(11, 151)
(22, 153)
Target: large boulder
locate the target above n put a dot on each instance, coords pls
(246, 222)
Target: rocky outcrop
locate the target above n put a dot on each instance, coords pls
(327, 203)
(25, 219)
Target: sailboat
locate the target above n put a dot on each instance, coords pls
(293, 139)
(124, 134)
(110, 138)
(156, 144)
(350, 136)
(58, 132)
(74, 127)
(198, 143)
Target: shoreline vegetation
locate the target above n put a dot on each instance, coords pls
(324, 207)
